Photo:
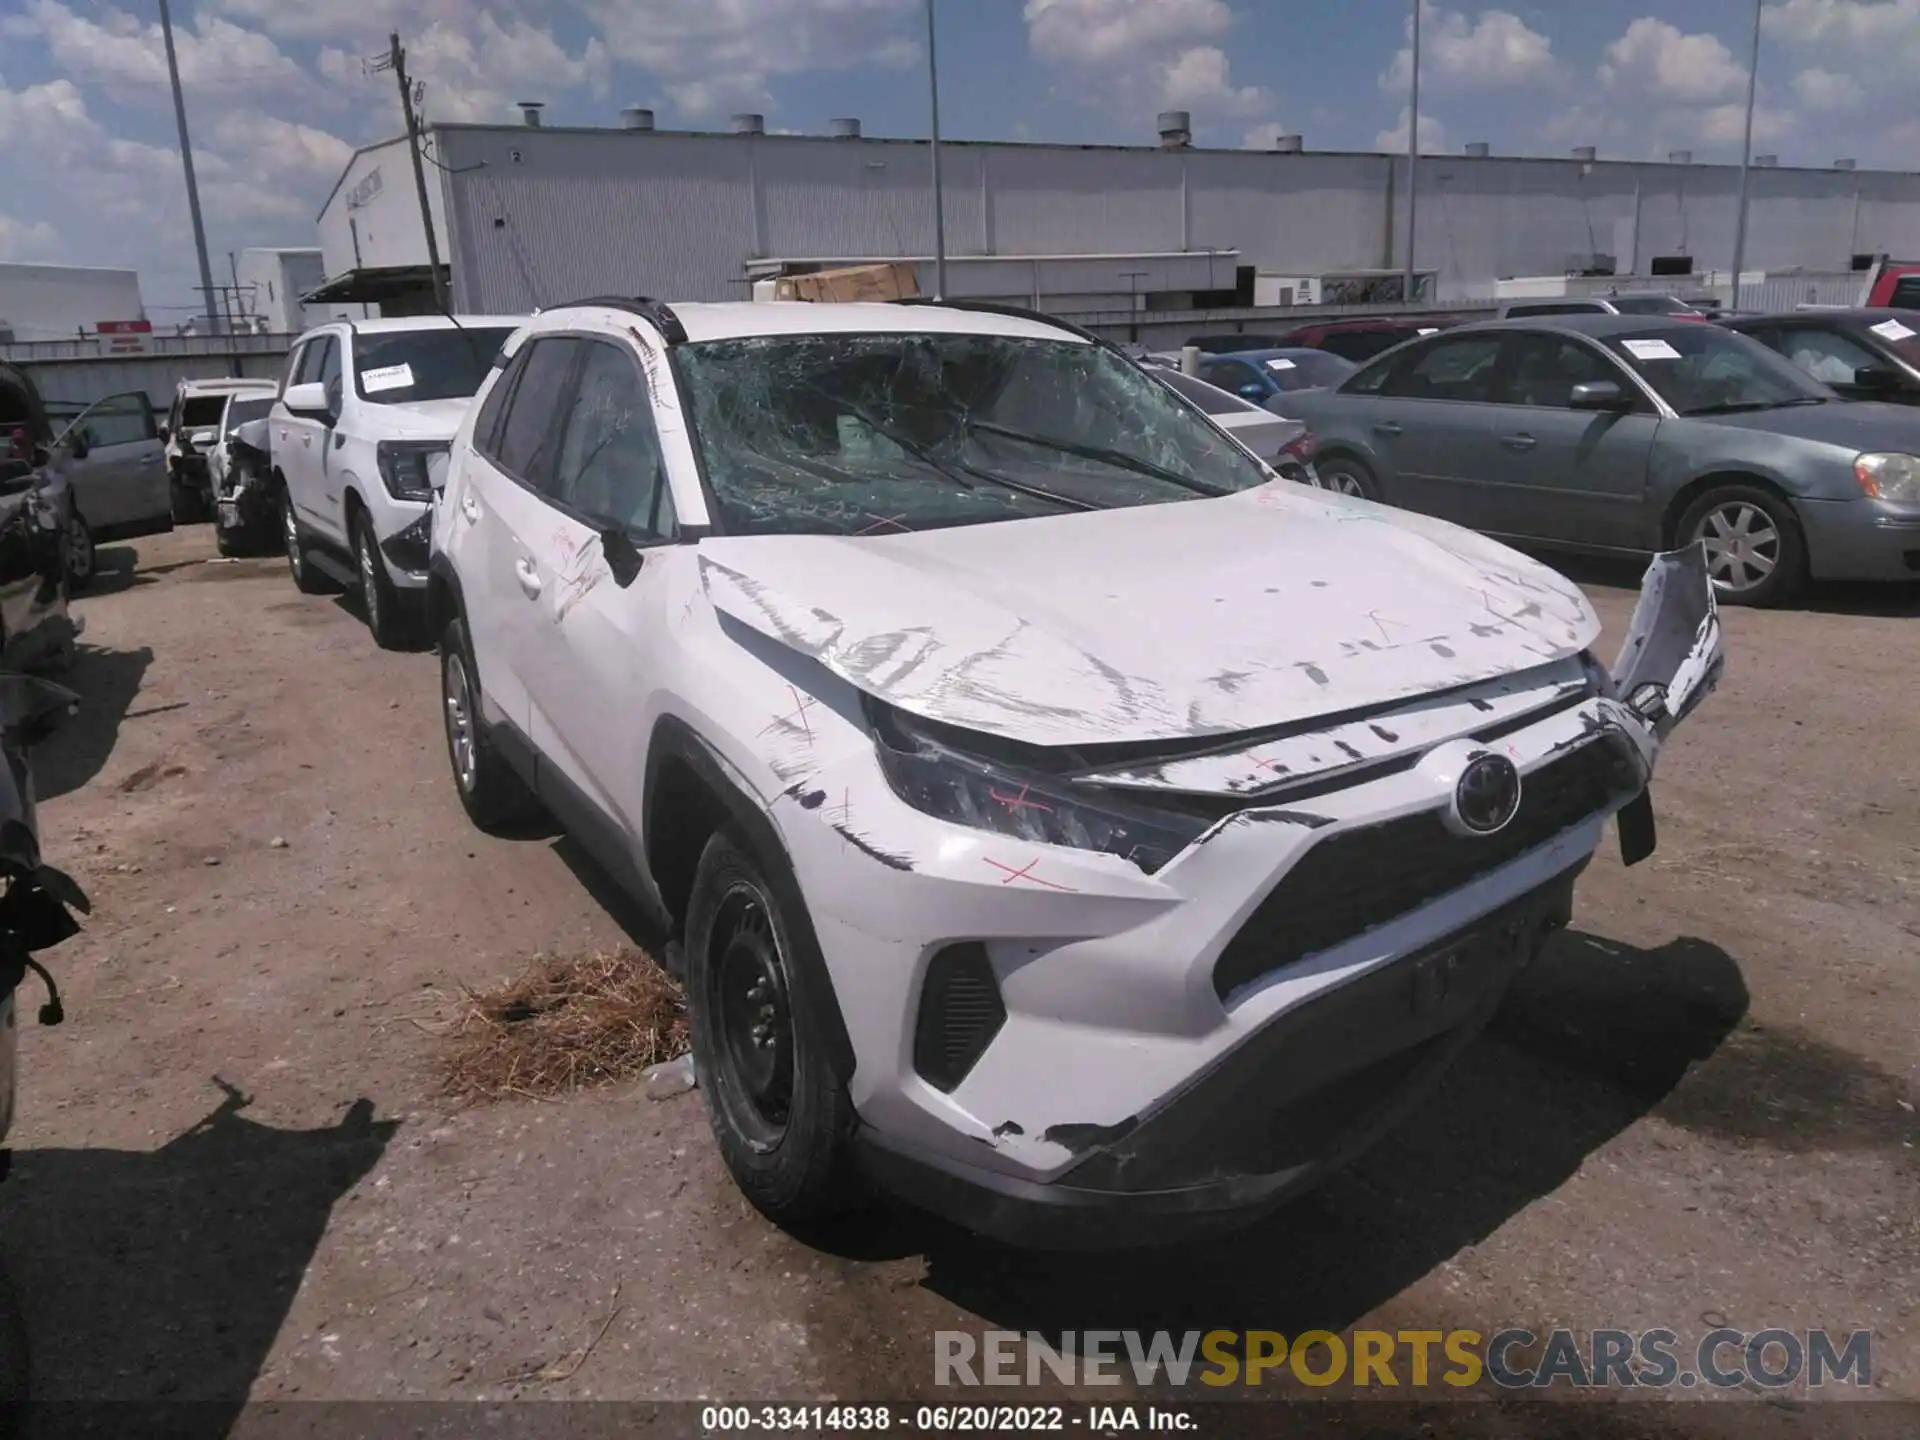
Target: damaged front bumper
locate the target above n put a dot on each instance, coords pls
(408, 551)
(1182, 1050)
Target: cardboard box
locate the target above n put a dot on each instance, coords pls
(896, 281)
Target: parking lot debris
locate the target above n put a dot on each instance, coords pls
(674, 1077)
(566, 1022)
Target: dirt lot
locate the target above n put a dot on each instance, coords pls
(236, 1177)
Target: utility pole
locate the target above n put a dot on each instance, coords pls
(1413, 152)
(396, 60)
(939, 196)
(186, 163)
(1746, 162)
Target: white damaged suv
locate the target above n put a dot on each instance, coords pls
(1060, 821)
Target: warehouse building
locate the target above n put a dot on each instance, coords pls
(529, 215)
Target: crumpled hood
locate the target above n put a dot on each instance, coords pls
(423, 419)
(1155, 622)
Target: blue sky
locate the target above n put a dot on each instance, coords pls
(90, 172)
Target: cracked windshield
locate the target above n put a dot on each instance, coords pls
(866, 434)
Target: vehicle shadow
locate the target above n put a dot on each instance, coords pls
(116, 567)
(106, 682)
(166, 1275)
(349, 602)
(1592, 1037)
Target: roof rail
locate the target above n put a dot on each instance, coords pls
(1012, 312)
(656, 313)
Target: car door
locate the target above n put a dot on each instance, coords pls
(120, 484)
(323, 458)
(1560, 473)
(1236, 377)
(1430, 423)
(602, 610)
(295, 436)
(496, 520)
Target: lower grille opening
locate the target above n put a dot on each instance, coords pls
(960, 1013)
(1357, 879)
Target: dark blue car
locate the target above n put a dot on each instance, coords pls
(1266, 375)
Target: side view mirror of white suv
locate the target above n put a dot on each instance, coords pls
(309, 399)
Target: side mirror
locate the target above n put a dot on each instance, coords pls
(308, 400)
(165, 432)
(1599, 395)
(1877, 378)
(1252, 390)
(77, 445)
(203, 439)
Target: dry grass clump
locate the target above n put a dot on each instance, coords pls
(567, 1022)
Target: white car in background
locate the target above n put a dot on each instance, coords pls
(246, 505)
(1265, 432)
(1059, 820)
(356, 439)
(190, 431)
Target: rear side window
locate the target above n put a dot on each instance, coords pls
(1906, 293)
(1455, 369)
(1555, 307)
(529, 435)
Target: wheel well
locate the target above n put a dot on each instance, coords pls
(682, 813)
(1342, 452)
(350, 510)
(443, 603)
(1694, 489)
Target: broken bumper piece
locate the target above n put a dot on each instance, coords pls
(408, 550)
(1295, 1102)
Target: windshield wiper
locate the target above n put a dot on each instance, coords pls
(1119, 459)
(1734, 407)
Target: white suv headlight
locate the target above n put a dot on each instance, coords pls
(1889, 477)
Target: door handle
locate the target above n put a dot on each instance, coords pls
(528, 577)
(1386, 427)
(1518, 442)
(470, 508)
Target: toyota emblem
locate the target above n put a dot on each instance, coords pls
(1487, 795)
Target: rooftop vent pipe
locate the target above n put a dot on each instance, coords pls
(1679, 157)
(1585, 153)
(749, 124)
(845, 128)
(1176, 129)
(530, 112)
(1766, 160)
(1843, 164)
(1478, 149)
(636, 117)
(1289, 144)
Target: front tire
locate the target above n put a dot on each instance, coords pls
(306, 579)
(387, 618)
(493, 795)
(1756, 554)
(781, 1117)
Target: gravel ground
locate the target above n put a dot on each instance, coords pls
(235, 1177)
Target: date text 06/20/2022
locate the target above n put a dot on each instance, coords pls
(1721, 1358)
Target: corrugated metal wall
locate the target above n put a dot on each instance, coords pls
(68, 377)
(589, 211)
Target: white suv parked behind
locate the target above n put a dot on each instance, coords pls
(362, 424)
(1057, 818)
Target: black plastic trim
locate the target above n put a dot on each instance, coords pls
(673, 737)
(960, 1013)
(656, 313)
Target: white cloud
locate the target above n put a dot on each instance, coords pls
(23, 240)
(1820, 89)
(126, 54)
(1654, 58)
(1864, 25)
(475, 67)
(1200, 80)
(1263, 136)
(715, 54)
(1433, 135)
(1099, 31)
(1498, 48)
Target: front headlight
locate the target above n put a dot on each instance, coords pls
(1893, 477)
(407, 466)
(927, 771)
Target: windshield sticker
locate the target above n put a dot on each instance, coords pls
(387, 377)
(1891, 330)
(1280, 363)
(1651, 350)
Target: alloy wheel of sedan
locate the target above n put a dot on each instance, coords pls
(1743, 545)
(1341, 482)
(457, 697)
(369, 582)
(79, 550)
